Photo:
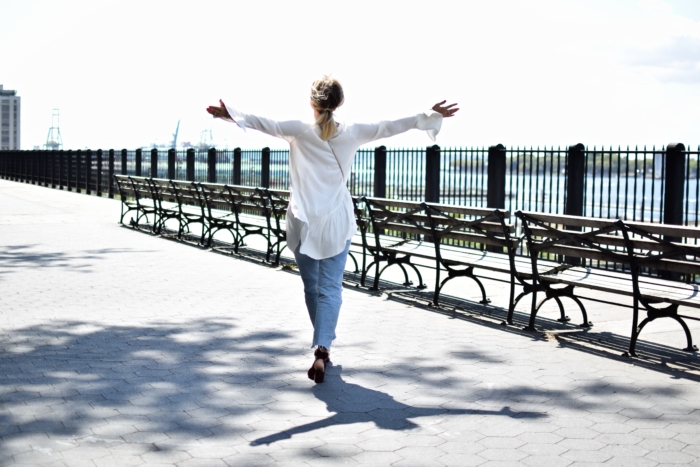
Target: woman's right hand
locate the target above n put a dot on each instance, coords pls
(446, 111)
(218, 111)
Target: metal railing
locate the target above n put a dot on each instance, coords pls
(620, 183)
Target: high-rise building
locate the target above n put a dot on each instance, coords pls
(10, 108)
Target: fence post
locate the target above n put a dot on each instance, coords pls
(154, 163)
(27, 160)
(52, 162)
(98, 173)
(674, 191)
(122, 169)
(61, 169)
(36, 168)
(380, 172)
(172, 157)
(110, 182)
(211, 165)
(674, 184)
(88, 171)
(265, 168)
(28, 167)
(189, 172)
(78, 169)
(236, 167)
(48, 168)
(496, 186)
(575, 174)
(432, 174)
(138, 163)
(69, 172)
(41, 169)
(44, 167)
(574, 180)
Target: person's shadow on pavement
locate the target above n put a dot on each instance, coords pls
(353, 403)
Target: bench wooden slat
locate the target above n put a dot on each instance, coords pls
(580, 221)
(443, 221)
(497, 262)
(663, 290)
(457, 235)
(673, 265)
(613, 240)
(574, 221)
(443, 207)
(667, 229)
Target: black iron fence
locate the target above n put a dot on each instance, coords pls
(657, 184)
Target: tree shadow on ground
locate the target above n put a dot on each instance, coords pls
(32, 256)
(166, 383)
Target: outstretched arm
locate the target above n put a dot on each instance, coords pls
(285, 130)
(429, 123)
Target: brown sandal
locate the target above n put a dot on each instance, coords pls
(318, 374)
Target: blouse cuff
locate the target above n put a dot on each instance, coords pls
(431, 124)
(237, 117)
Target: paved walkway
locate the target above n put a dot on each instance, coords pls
(121, 348)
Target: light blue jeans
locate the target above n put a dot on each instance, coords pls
(323, 287)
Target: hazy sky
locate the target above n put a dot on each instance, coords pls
(531, 72)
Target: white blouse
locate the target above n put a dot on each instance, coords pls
(320, 214)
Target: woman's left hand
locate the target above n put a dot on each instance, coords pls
(446, 111)
(218, 111)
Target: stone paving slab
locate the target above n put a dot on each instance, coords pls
(122, 348)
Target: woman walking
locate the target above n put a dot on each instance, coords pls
(320, 217)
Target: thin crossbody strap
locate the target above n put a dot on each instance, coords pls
(337, 160)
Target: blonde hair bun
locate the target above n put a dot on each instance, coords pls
(326, 96)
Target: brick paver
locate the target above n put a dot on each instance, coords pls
(121, 348)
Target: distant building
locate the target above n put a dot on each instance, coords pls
(10, 108)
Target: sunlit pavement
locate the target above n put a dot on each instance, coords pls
(122, 348)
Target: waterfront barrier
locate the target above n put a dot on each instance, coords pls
(655, 185)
